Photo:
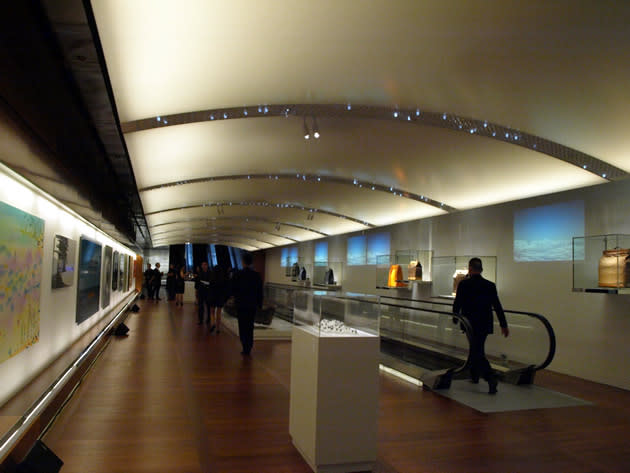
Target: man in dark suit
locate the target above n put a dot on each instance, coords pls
(475, 299)
(247, 291)
(157, 281)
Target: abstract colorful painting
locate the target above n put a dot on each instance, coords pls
(21, 255)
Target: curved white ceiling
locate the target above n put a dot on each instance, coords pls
(557, 70)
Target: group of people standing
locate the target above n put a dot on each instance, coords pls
(214, 286)
(152, 282)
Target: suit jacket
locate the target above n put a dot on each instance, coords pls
(475, 299)
(247, 289)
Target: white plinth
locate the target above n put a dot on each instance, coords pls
(189, 291)
(334, 400)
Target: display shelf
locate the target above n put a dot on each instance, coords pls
(321, 275)
(601, 264)
(333, 409)
(388, 276)
(449, 270)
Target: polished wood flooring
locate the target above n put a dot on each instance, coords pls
(171, 397)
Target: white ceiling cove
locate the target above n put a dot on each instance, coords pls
(424, 107)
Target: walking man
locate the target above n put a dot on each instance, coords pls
(247, 290)
(475, 299)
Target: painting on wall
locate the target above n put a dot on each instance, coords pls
(121, 271)
(21, 255)
(106, 285)
(89, 279)
(115, 272)
(64, 252)
(131, 271)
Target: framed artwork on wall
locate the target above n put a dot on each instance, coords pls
(115, 270)
(21, 255)
(106, 287)
(64, 252)
(89, 282)
(121, 271)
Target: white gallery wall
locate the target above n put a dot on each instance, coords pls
(591, 329)
(58, 328)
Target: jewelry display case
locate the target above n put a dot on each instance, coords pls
(333, 409)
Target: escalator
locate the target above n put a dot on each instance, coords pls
(425, 340)
(414, 331)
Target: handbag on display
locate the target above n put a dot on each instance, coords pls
(459, 276)
(614, 268)
(295, 271)
(330, 276)
(415, 271)
(395, 278)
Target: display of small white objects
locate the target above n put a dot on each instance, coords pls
(334, 326)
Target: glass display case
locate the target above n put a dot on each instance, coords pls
(328, 274)
(601, 263)
(341, 315)
(399, 269)
(448, 271)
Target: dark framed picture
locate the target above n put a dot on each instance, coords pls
(106, 287)
(64, 253)
(115, 270)
(89, 281)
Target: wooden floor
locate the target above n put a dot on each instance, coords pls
(173, 398)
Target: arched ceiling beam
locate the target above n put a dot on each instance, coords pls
(262, 203)
(209, 231)
(311, 178)
(467, 125)
(247, 219)
(241, 228)
(186, 237)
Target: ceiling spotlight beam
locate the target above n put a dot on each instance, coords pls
(367, 185)
(276, 205)
(472, 126)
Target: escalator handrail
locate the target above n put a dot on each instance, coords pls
(541, 318)
(464, 323)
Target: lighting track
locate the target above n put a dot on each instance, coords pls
(359, 183)
(472, 126)
(247, 219)
(262, 203)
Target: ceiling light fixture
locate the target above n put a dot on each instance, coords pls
(307, 133)
(315, 129)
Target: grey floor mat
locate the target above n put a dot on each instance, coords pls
(509, 397)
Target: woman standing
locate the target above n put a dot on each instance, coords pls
(180, 286)
(218, 295)
(170, 282)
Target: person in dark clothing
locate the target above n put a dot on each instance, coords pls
(218, 295)
(247, 291)
(203, 293)
(170, 282)
(148, 281)
(157, 281)
(475, 299)
(180, 285)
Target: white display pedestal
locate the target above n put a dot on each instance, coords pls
(189, 291)
(334, 399)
